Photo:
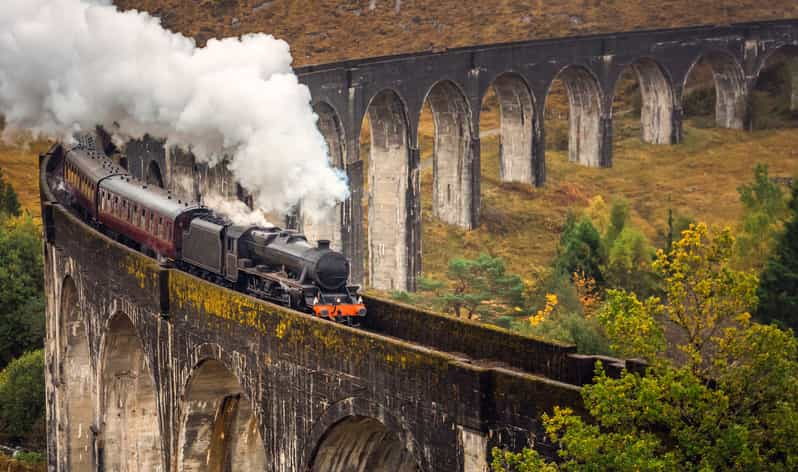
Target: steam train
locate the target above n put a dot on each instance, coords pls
(270, 263)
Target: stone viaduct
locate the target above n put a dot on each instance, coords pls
(391, 91)
(149, 369)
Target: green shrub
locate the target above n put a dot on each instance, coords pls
(21, 289)
(700, 102)
(30, 457)
(22, 397)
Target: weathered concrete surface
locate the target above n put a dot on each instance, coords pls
(730, 89)
(584, 116)
(452, 157)
(159, 370)
(388, 173)
(391, 91)
(656, 115)
(130, 439)
(516, 126)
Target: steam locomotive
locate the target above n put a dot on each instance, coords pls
(270, 263)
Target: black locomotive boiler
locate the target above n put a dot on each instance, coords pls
(270, 263)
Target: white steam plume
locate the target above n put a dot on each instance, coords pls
(69, 65)
(238, 212)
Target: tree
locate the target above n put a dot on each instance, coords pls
(628, 262)
(481, 287)
(22, 397)
(632, 326)
(21, 289)
(619, 215)
(626, 253)
(9, 203)
(764, 209)
(731, 404)
(676, 225)
(778, 286)
(579, 250)
(704, 293)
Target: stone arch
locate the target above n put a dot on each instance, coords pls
(790, 57)
(219, 430)
(585, 136)
(516, 128)
(730, 87)
(75, 386)
(154, 176)
(330, 226)
(387, 186)
(363, 444)
(354, 434)
(452, 156)
(657, 107)
(131, 436)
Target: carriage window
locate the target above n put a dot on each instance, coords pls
(230, 244)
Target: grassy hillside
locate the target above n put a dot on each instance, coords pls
(698, 178)
(20, 165)
(329, 30)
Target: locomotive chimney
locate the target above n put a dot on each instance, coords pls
(324, 244)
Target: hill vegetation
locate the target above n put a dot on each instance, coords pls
(321, 31)
(22, 329)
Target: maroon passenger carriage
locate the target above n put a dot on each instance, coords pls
(154, 220)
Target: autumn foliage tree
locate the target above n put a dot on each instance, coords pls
(723, 396)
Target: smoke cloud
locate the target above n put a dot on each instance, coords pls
(238, 212)
(69, 65)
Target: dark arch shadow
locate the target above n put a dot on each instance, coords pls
(657, 124)
(75, 386)
(386, 184)
(774, 97)
(730, 88)
(355, 434)
(131, 437)
(585, 137)
(329, 226)
(154, 176)
(453, 155)
(219, 428)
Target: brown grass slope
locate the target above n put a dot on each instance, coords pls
(20, 166)
(322, 31)
(698, 179)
